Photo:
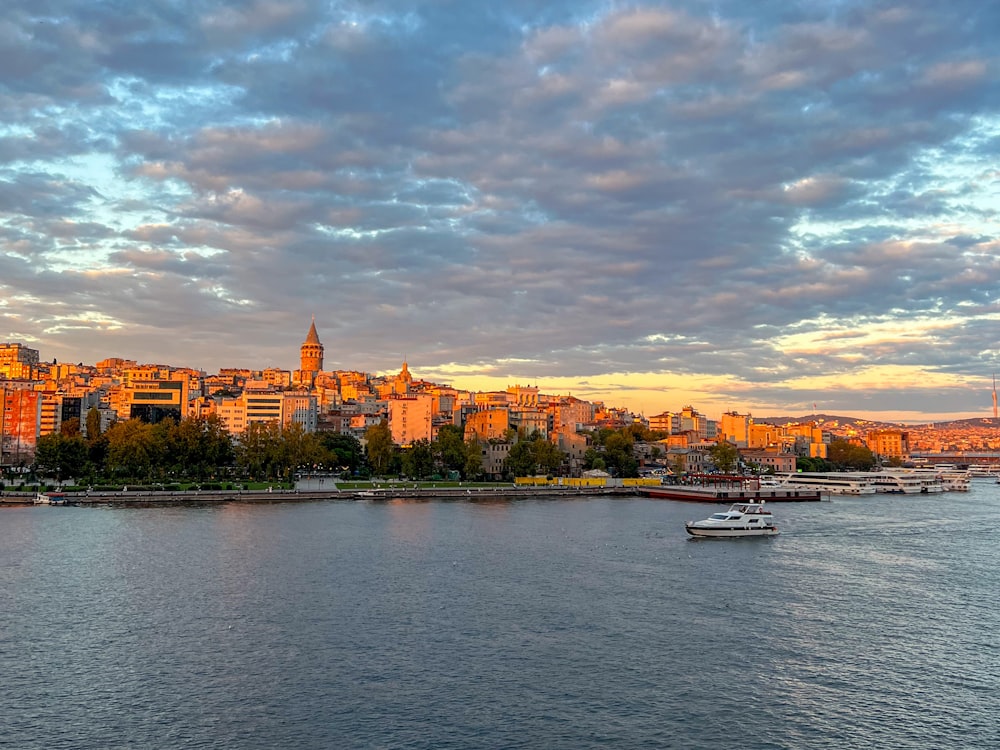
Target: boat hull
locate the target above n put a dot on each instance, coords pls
(721, 533)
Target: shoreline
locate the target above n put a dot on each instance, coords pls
(212, 497)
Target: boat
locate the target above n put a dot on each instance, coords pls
(50, 498)
(899, 482)
(830, 482)
(955, 480)
(742, 519)
(981, 471)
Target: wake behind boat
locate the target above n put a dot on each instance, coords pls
(742, 519)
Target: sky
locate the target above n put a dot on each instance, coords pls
(773, 207)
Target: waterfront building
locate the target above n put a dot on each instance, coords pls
(780, 461)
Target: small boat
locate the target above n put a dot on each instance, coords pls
(742, 519)
(50, 498)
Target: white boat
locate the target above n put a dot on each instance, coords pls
(898, 482)
(830, 482)
(955, 481)
(50, 498)
(742, 519)
(983, 472)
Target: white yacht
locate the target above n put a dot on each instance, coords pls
(742, 519)
(830, 482)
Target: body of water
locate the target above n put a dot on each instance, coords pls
(579, 623)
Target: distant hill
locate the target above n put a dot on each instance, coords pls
(832, 421)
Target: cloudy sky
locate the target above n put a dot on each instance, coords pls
(745, 205)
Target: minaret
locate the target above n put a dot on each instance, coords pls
(311, 352)
(994, 395)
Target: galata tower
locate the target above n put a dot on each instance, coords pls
(311, 351)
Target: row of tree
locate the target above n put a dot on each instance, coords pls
(201, 448)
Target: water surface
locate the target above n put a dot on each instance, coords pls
(582, 623)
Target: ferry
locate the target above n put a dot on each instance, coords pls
(899, 482)
(955, 480)
(742, 519)
(977, 471)
(830, 482)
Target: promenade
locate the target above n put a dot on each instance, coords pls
(375, 494)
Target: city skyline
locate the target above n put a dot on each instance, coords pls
(772, 208)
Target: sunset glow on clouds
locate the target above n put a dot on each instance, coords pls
(757, 206)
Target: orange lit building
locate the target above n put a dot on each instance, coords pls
(20, 423)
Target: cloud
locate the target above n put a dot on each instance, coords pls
(580, 190)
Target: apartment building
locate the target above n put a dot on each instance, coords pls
(410, 418)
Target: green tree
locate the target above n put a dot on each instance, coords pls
(61, 456)
(618, 455)
(520, 461)
(548, 457)
(131, 449)
(473, 465)
(534, 456)
(343, 451)
(93, 424)
(449, 448)
(418, 460)
(845, 455)
(258, 451)
(724, 456)
(380, 448)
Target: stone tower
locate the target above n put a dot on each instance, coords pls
(311, 352)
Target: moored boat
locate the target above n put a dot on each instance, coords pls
(742, 519)
(831, 482)
(50, 498)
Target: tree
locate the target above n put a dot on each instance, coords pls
(618, 455)
(131, 449)
(450, 450)
(849, 456)
(343, 451)
(520, 461)
(257, 453)
(61, 456)
(548, 457)
(71, 427)
(725, 456)
(93, 424)
(380, 448)
(533, 456)
(418, 460)
(473, 465)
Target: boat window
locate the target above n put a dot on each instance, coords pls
(720, 516)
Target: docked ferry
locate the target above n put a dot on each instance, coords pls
(831, 482)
